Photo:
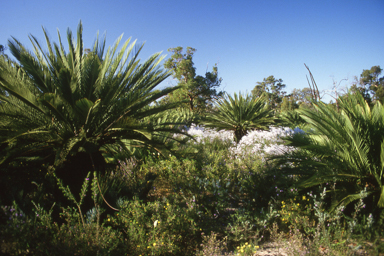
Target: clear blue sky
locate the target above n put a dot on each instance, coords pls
(250, 40)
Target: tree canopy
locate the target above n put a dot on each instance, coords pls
(273, 88)
(197, 92)
(370, 85)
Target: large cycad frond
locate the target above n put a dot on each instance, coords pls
(240, 114)
(347, 146)
(74, 101)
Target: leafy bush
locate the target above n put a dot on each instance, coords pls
(167, 205)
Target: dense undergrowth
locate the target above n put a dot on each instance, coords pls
(217, 198)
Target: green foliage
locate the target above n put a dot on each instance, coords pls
(240, 114)
(312, 227)
(211, 245)
(67, 193)
(244, 202)
(303, 97)
(292, 119)
(197, 91)
(65, 115)
(273, 89)
(245, 225)
(155, 227)
(38, 234)
(288, 104)
(76, 111)
(345, 146)
(370, 85)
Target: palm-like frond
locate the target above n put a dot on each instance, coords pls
(291, 119)
(71, 102)
(347, 145)
(240, 114)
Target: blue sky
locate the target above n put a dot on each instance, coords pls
(250, 40)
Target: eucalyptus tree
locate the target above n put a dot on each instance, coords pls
(71, 109)
(273, 89)
(197, 92)
(345, 146)
(370, 84)
(240, 114)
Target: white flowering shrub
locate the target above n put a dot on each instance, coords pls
(258, 144)
(201, 134)
(264, 143)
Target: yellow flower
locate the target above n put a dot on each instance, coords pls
(241, 250)
(154, 244)
(238, 247)
(298, 204)
(256, 247)
(246, 243)
(282, 202)
(303, 197)
(109, 219)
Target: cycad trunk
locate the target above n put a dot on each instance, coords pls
(75, 169)
(239, 133)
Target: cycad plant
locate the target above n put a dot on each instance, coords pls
(291, 119)
(240, 114)
(344, 146)
(70, 109)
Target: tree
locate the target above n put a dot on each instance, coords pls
(288, 103)
(370, 85)
(240, 114)
(273, 88)
(302, 97)
(197, 91)
(369, 78)
(70, 110)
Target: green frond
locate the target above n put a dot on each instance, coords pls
(71, 102)
(240, 114)
(349, 141)
(349, 199)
